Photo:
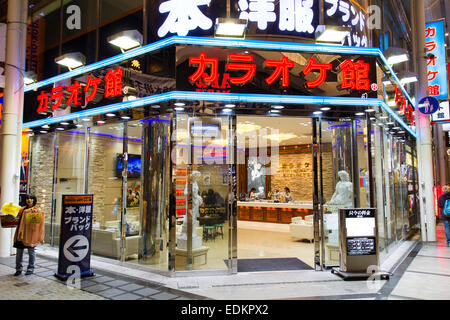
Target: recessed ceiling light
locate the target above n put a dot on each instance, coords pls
(86, 119)
(156, 106)
(179, 109)
(60, 129)
(275, 111)
(110, 115)
(65, 123)
(317, 112)
(325, 109)
(45, 126)
(370, 110)
(43, 131)
(179, 104)
(125, 117)
(278, 107)
(230, 105)
(360, 114)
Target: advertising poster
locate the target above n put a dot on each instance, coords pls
(76, 231)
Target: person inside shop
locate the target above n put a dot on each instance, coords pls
(29, 233)
(442, 204)
(287, 195)
(276, 195)
(252, 194)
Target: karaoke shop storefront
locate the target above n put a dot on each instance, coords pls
(171, 137)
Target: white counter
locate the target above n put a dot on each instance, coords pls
(267, 204)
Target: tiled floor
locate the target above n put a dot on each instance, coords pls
(44, 285)
(420, 271)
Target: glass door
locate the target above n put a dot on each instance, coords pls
(341, 169)
(203, 176)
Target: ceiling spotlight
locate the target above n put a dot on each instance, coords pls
(125, 117)
(179, 104)
(110, 115)
(229, 27)
(317, 112)
(359, 114)
(179, 109)
(126, 40)
(65, 123)
(407, 77)
(396, 55)
(332, 34)
(230, 105)
(278, 107)
(325, 109)
(29, 77)
(71, 60)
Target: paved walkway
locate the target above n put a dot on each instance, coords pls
(419, 271)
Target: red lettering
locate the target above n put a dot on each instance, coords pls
(322, 67)
(113, 83)
(202, 62)
(281, 68)
(43, 102)
(249, 68)
(94, 84)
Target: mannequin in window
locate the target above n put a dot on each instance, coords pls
(343, 195)
(342, 199)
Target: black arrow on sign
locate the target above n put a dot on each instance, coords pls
(72, 248)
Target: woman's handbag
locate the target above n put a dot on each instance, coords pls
(19, 245)
(9, 221)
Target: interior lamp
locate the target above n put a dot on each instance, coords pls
(126, 40)
(71, 60)
(229, 27)
(332, 34)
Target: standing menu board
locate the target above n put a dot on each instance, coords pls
(361, 231)
(76, 230)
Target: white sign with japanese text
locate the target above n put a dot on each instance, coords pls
(443, 114)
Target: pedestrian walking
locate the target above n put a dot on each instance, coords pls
(29, 233)
(441, 203)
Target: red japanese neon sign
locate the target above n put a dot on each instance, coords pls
(355, 74)
(113, 87)
(403, 104)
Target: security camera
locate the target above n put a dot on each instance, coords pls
(430, 56)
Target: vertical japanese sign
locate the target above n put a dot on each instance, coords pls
(24, 168)
(75, 238)
(436, 60)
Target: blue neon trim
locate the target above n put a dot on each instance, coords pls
(217, 42)
(229, 97)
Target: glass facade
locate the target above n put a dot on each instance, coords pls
(171, 186)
